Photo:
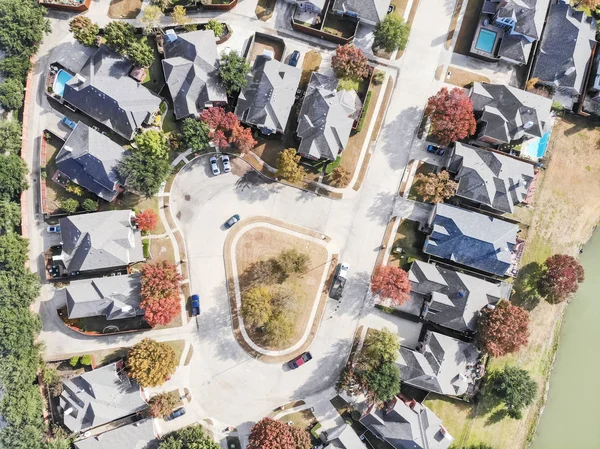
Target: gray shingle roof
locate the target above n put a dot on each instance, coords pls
(565, 48)
(528, 15)
(507, 114)
(453, 299)
(370, 10)
(101, 240)
(326, 118)
(404, 427)
(139, 435)
(190, 68)
(115, 297)
(104, 91)
(90, 159)
(490, 178)
(318, 3)
(98, 397)
(72, 55)
(343, 437)
(442, 366)
(472, 239)
(267, 100)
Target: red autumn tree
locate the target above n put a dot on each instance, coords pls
(271, 434)
(147, 220)
(226, 130)
(349, 62)
(391, 283)
(160, 293)
(161, 310)
(451, 115)
(561, 278)
(504, 329)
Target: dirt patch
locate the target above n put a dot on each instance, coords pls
(262, 43)
(264, 9)
(311, 63)
(124, 9)
(463, 78)
(467, 29)
(453, 23)
(264, 243)
(268, 149)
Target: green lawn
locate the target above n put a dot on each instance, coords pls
(155, 79)
(303, 419)
(178, 346)
(411, 240)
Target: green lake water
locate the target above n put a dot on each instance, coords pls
(571, 419)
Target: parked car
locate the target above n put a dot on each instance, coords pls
(295, 58)
(300, 360)
(176, 414)
(214, 166)
(70, 123)
(436, 150)
(233, 220)
(226, 164)
(53, 229)
(432, 148)
(339, 281)
(195, 305)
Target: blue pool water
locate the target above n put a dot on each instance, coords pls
(537, 149)
(485, 40)
(62, 78)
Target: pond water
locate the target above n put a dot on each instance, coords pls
(571, 419)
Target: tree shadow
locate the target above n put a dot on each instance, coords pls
(525, 289)
(496, 417)
(252, 187)
(379, 211)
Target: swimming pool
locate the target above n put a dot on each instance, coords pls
(536, 148)
(486, 40)
(62, 78)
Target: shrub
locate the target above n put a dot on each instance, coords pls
(363, 114)
(74, 361)
(69, 205)
(86, 360)
(89, 205)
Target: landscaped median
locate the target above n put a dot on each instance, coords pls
(277, 278)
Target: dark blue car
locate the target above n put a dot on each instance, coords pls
(195, 305)
(176, 414)
(295, 58)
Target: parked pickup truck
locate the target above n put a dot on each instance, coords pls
(339, 281)
(300, 360)
(195, 305)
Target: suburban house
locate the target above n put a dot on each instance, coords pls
(190, 68)
(98, 397)
(139, 435)
(472, 239)
(565, 53)
(370, 12)
(90, 159)
(449, 298)
(341, 437)
(407, 426)
(100, 242)
(103, 90)
(441, 364)
(267, 99)
(114, 297)
(508, 29)
(507, 115)
(315, 6)
(326, 118)
(489, 178)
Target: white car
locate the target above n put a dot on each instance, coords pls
(226, 164)
(214, 166)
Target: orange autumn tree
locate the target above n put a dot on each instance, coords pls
(391, 283)
(160, 293)
(147, 220)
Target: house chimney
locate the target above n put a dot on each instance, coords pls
(528, 125)
(570, 70)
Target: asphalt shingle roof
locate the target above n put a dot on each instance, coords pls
(100, 240)
(566, 48)
(104, 91)
(190, 68)
(472, 239)
(370, 10)
(490, 178)
(326, 118)
(267, 99)
(90, 159)
(139, 435)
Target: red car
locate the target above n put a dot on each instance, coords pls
(300, 360)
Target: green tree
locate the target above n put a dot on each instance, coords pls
(151, 363)
(179, 15)
(15, 67)
(216, 27)
(10, 136)
(13, 252)
(383, 381)
(22, 405)
(10, 216)
(11, 93)
(118, 35)
(144, 174)
(515, 387)
(25, 437)
(162, 4)
(153, 144)
(380, 347)
(151, 16)
(279, 329)
(192, 437)
(84, 30)
(69, 205)
(292, 261)
(22, 27)
(140, 53)
(19, 287)
(256, 306)
(233, 71)
(12, 177)
(195, 134)
(288, 166)
(391, 33)
(17, 329)
(89, 205)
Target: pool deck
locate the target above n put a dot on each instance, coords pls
(487, 56)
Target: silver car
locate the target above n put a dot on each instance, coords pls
(214, 166)
(226, 164)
